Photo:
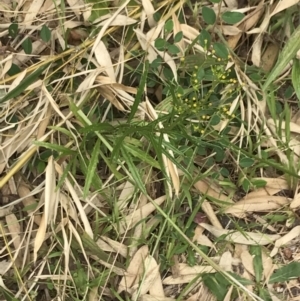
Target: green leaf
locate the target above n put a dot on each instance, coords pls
(287, 54)
(215, 1)
(217, 286)
(296, 77)
(99, 9)
(160, 44)
(232, 17)
(209, 15)
(169, 25)
(246, 162)
(13, 30)
(24, 84)
(55, 147)
(246, 185)
(144, 157)
(286, 273)
(255, 251)
(27, 46)
(7, 295)
(45, 33)
(91, 168)
(258, 183)
(140, 91)
(14, 69)
(135, 176)
(173, 49)
(178, 37)
(204, 39)
(221, 50)
(264, 294)
(215, 120)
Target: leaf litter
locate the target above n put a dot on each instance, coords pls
(53, 201)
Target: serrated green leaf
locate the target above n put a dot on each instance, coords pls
(287, 54)
(91, 168)
(27, 46)
(24, 84)
(209, 15)
(296, 77)
(232, 17)
(286, 273)
(45, 33)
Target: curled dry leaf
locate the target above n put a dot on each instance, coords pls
(206, 189)
(149, 10)
(77, 6)
(75, 197)
(28, 201)
(245, 238)
(269, 57)
(171, 168)
(154, 298)
(185, 269)
(207, 208)
(282, 5)
(33, 11)
(104, 60)
(226, 261)
(295, 232)
(48, 206)
(247, 261)
(14, 230)
(109, 245)
(151, 281)
(125, 195)
(229, 30)
(139, 214)
(185, 278)
(132, 272)
(273, 186)
(257, 204)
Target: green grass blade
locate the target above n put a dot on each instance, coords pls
(133, 170)
(296, 77)
(24, 84)
(92, 168)
(55, 147)
(288, 53)
(140, 91)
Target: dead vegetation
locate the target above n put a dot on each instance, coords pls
(111, 187)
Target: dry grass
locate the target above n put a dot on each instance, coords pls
(93, 203)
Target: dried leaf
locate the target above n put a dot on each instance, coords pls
(246, 238)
